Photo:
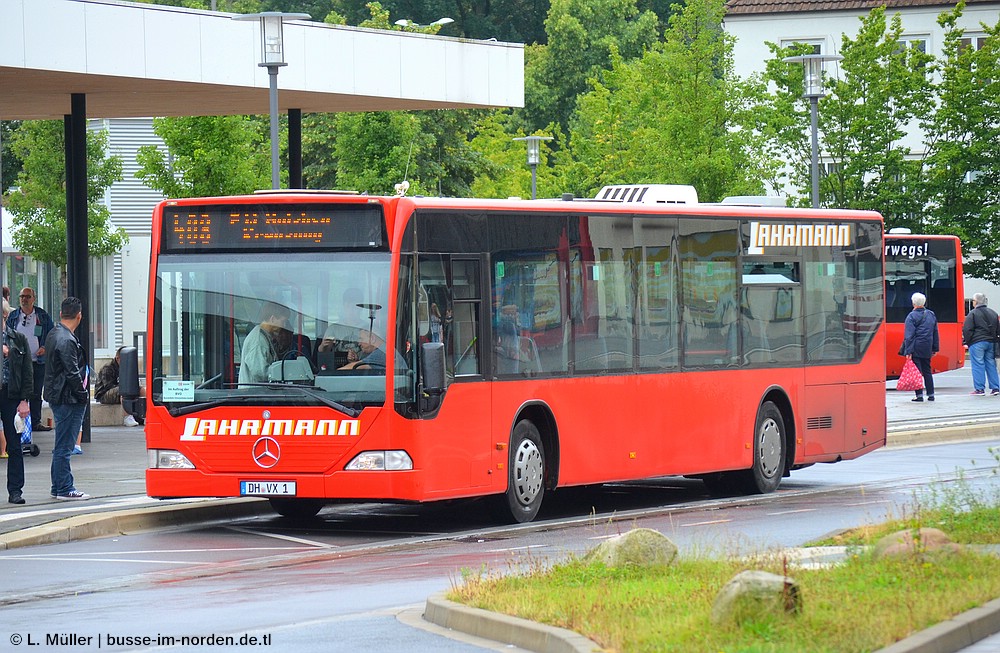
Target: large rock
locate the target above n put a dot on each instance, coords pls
(640, 547)
(752, 594)
(912, 543)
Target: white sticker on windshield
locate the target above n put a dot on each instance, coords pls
(178, 391)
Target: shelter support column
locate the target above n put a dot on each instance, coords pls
(295, 148)
(77, 246)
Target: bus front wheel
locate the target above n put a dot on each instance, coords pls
(768, 452)
(297, 508)
(525, 476)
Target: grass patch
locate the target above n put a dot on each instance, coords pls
(861, 605)
(967, 516)
(979, 525)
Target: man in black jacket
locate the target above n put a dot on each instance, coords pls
(978, 334)
(15, 390)
(67, 378)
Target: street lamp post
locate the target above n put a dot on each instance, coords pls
(272, 54)
(812, 69)
(534, 156)
(407, 23)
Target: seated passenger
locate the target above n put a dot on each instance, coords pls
(373, 353)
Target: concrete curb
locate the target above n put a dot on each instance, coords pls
(522, 633)
(953, 635)
(930, 436)
(115, 522)
(949, 636)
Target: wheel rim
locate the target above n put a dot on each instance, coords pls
(527, 473)
(770, 448)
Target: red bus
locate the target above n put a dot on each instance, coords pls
(931, 265)
(534, 345)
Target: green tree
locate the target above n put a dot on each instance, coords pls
(10, 165)
(961, 184)
(504, 169)
(207, 155)
(676, 115)
(581, 37)
(883, 88)
(39, 203)
(374, 151)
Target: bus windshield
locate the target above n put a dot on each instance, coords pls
(272, 328)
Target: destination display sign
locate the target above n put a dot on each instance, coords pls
(239, 227)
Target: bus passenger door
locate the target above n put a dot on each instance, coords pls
(449, 310)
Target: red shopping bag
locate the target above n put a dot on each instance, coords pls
(910, 378)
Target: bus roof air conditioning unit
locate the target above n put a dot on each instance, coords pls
(649, 194)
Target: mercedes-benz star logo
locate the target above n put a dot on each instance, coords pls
(266, 452)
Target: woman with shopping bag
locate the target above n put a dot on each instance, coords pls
(920, 343)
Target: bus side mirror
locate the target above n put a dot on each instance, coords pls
(432, 373)
(128, 382)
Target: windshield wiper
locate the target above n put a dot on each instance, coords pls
(205, 405)
(309, 392)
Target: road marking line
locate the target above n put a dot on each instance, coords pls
(790, 512)
(519, 548)
(287, 538)
(707, 523)
(227, 549)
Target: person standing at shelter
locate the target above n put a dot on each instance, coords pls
(35, 324)
(979, 332)
(15, 388)
(920, 342)
(67, 379)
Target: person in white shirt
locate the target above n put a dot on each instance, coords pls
(35, 324)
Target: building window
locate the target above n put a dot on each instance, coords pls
(815, 44)
(918, 43)
(977, 42)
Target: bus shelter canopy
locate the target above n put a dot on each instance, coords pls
(135, 60)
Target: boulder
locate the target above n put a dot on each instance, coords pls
(640, 547)
(750, 595)
(912, 543)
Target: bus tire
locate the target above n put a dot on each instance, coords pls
(769, 451)
(297, 508)
(525, 476)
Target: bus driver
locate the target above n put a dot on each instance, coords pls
(373, 353)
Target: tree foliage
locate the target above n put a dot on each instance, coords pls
(38, 205)
(676, 115)
(582, 36)
(208, 155)
(10, 165)
(504, 171)
(961, 182)
(882, 88)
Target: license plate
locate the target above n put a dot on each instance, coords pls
(267, 488)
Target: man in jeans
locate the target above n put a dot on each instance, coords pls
(979, 332)
(66, 389)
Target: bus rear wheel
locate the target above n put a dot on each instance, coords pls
(297, 508)
(525, 476)
(769, 450)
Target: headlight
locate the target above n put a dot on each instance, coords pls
(394, 460)
(167, 459)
